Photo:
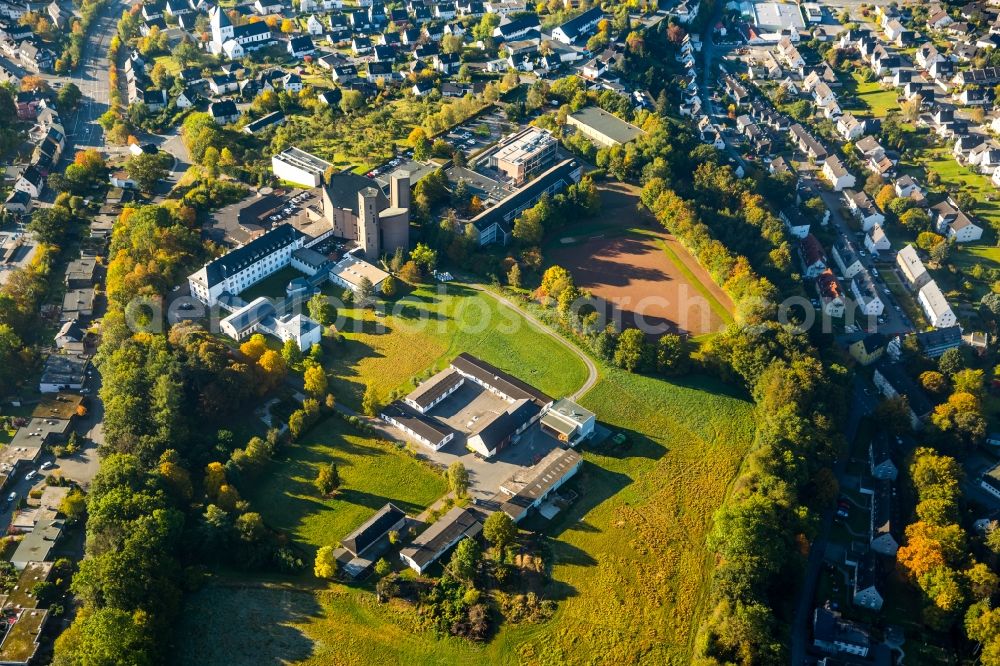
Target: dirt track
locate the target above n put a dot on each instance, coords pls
(633, 273)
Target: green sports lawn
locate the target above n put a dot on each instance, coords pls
(372, 473)
(425, 329)
(630, 569)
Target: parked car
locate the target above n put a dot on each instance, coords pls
(30, 475)
(11, 498)
(48, 464)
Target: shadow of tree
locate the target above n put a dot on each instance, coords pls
(267, 616)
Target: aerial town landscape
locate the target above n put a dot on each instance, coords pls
(483, 332)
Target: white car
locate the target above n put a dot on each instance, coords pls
(48, 464)
(30, 475)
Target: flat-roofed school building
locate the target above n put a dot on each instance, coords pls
(602, 127)
(299, 167)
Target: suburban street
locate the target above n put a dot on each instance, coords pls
(862, 404)
(91, 77)
(83, 132)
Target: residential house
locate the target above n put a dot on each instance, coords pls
(221, 84)
(301, 46)
(835, 635)
(867, 582)
(939, 20)
(837, 174)
(812, 256)
(314, 26)
(935, 342)
(869, 147)
(935, 306)
(846, 257)
(224, 112)
(950, 221)
(866, 295)
(578, 27)
(849, 127)
(911, 268)
(876, 240)
(120, 178)
(863, 208)
(868, 349)
(795, 222)
(884, 534)
(880, 463)
(831, 296)
(31, 181)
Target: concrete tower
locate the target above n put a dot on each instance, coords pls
(399, 189)
(368, 223)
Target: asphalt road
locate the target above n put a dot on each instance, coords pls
(91, 77)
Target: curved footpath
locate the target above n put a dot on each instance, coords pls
(547, 330)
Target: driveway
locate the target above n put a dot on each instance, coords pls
(587, 361)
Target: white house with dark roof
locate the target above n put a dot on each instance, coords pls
(837, 174)
(866, 295)
(579, 26)
(863, 208)
(245, 266)
(876, 240)
(950, 221)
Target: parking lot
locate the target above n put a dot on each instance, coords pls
(470, 404)
(486, 475)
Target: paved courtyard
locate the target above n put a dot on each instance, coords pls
(486, 475)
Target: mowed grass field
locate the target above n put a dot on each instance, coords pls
(629, 565)
(873, 100)
(426, 328)
(372, 473)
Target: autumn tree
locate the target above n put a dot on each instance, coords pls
(327, 479)
(370, 402)
(500, 530)
(315, 380)
(325, 564)
(458, 478)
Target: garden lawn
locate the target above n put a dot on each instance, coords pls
(874, 101)
(273, 286)
(630, 570)
(371, 472)
(424, 330)
(956, 176)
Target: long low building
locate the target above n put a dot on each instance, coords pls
(424, 429)
(434, 390)
(602, 127)
(436, 540)
(529, 488)
(526, 404)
